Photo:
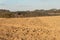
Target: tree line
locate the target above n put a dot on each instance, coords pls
(35, 13)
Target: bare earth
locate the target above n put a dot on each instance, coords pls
(33, 28)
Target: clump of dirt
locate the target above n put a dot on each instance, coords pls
(26, 33)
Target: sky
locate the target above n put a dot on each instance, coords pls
(23, 5)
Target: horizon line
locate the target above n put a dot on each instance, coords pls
(30, 10)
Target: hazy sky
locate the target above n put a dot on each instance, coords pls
(29, 4)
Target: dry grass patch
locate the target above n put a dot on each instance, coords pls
(36, 28)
